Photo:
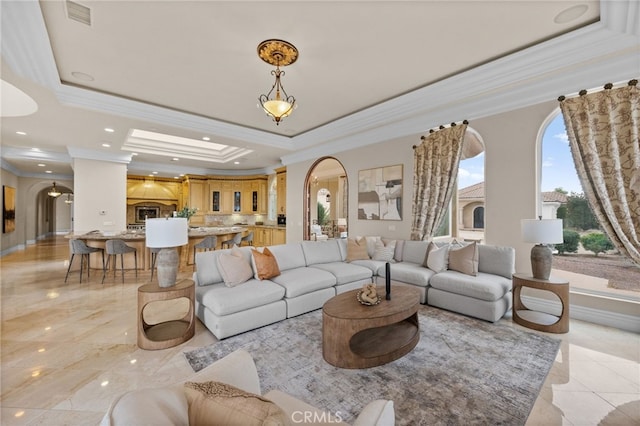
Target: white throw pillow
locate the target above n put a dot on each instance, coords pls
(384, 252)
(438, 258)
(234, 267)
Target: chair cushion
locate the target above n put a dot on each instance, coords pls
(299, 281)
(496, 260)
(288, 256)
(483, 286)
(223, 300)
(414, 251)
(345, 272)
(321, 252)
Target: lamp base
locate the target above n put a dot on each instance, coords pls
(541, 260)
(167, 264)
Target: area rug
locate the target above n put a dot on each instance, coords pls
(463, 370)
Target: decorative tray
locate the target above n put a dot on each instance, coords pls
(379, 298)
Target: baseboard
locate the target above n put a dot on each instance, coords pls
(12, 249)
(584, 313)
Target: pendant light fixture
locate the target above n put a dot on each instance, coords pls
(53, 192)
(277, 104)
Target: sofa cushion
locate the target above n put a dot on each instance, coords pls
(406, 272)
(496, 260)
(217, 403)
(223, 300)
(321, 252)
(414, 251)
(207, 271)
(483, 286)
(345, 272)
(384, 250)
(374, 265)
(464, 259)
(265, 264)
(234, 267)
(288, 256)
(299, 281)
(357, 249)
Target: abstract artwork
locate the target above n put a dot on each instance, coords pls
(8, 209)
(380, 193)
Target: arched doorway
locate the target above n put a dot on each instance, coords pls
(326, 195)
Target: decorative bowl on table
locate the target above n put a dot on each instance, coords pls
(364, 302)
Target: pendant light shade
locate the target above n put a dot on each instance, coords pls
(53, 192)
(277, 103)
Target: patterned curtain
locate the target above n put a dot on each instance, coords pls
(604, 134)
(435, 169)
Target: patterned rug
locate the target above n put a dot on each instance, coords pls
(463, 370)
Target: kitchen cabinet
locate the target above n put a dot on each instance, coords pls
(278, 236)
(246, 196)
(268, 235)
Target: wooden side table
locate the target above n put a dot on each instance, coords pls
(165, 334)
(536, 320)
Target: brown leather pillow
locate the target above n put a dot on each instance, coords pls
(266, 265)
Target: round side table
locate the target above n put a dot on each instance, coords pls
(171, 333)
(536, 320)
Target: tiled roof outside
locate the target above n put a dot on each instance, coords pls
(477, 191)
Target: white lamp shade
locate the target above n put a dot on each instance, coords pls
(169, 232)
(342, 221)
(542, 231)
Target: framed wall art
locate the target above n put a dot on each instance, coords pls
(8, 209)
(380, 193)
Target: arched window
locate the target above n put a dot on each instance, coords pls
(478, 217)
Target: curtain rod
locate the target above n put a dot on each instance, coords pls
(607, 86)
(441, 127)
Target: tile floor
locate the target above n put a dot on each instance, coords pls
(68, 349)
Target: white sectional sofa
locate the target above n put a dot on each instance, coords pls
(311, 272)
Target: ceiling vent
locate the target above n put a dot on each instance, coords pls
(79, 13)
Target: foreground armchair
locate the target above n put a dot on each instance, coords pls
(174, 405)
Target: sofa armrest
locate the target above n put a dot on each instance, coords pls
(379, 413)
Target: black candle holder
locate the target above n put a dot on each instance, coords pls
(388, 281)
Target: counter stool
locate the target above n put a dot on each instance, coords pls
(248, 239)
(115, 248)
(237, 239)
(208, 243)
(81, 248)
(154, 254)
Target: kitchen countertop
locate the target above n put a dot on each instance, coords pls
(140, 235)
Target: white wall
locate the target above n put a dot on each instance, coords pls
(511, 176)
(100, 186)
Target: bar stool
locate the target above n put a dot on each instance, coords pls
(81, 248)
(208, 243)
(237, 239)
(154, 254)
(115, 248)
(247, 239)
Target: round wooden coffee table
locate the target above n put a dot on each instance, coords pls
(360, 336)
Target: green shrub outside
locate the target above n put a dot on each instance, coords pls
(596, 242)
(570, 241)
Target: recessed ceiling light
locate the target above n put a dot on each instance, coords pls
(236, 162)
(106, 145)
(109, 130)
(206, 138)
(151, 175)
(82, 76)
(48, 171)
(176, 177)
(181, 174)
(155, 173)
(570, 14)
(134, 153)
(41, 165)
(175, 159)
(21, 133)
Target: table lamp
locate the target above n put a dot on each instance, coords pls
(542, 232)
(342, 225)
(167, 234)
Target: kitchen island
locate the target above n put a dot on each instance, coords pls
(136, 239)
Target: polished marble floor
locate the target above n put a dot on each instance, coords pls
(68, 349)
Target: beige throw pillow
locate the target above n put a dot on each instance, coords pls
(464, 259)
(265, 263)
(216, 403)
(437, 257)
(357, 249)
(384, 252)
(234, 268)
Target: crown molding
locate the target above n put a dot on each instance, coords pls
(89, 154)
